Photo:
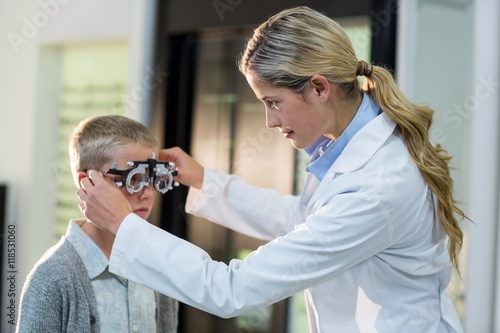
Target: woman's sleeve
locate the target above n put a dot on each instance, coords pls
(258, 212)
(336, 237)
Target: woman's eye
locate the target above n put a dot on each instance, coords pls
(271, 104)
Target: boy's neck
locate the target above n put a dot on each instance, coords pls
(103, 239)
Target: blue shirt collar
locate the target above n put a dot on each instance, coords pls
(323, 153)
(94, 260)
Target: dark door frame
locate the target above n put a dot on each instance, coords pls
(176, 46)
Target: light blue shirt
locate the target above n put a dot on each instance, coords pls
(324, 152)
(123, 305)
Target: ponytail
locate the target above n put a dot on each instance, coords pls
(414, 121)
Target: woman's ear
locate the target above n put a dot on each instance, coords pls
(321, 86)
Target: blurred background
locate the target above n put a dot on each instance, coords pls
(172, 65)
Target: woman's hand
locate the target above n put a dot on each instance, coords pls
(190, 172)
(102, 203)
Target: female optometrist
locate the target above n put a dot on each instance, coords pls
(373, 239)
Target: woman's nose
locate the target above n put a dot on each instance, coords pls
(271, 119)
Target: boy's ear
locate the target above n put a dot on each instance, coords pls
(79, 176)
(321, 86)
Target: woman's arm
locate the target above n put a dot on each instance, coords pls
(254, 211)
(330, 242)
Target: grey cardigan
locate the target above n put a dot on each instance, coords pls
(58, 297)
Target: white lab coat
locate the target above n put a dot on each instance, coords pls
(365, 245)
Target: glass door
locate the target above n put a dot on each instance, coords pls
(230, 135)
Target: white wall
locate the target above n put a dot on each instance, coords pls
(442, 76)
(28, 117)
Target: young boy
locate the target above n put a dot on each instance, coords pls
(70, 288)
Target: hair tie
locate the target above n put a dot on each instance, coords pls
(364, 68)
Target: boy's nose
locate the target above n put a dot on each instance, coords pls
(147, 190)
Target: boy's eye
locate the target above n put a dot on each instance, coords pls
(119, 182)
(138, 180)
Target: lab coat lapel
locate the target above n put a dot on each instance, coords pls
(357, 152)
(364, 144)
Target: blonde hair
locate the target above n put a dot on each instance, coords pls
(296, 43)
(93, 140)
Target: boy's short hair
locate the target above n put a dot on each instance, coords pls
(93, 140)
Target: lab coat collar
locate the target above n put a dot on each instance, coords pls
(364, 144)
(324, 152)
